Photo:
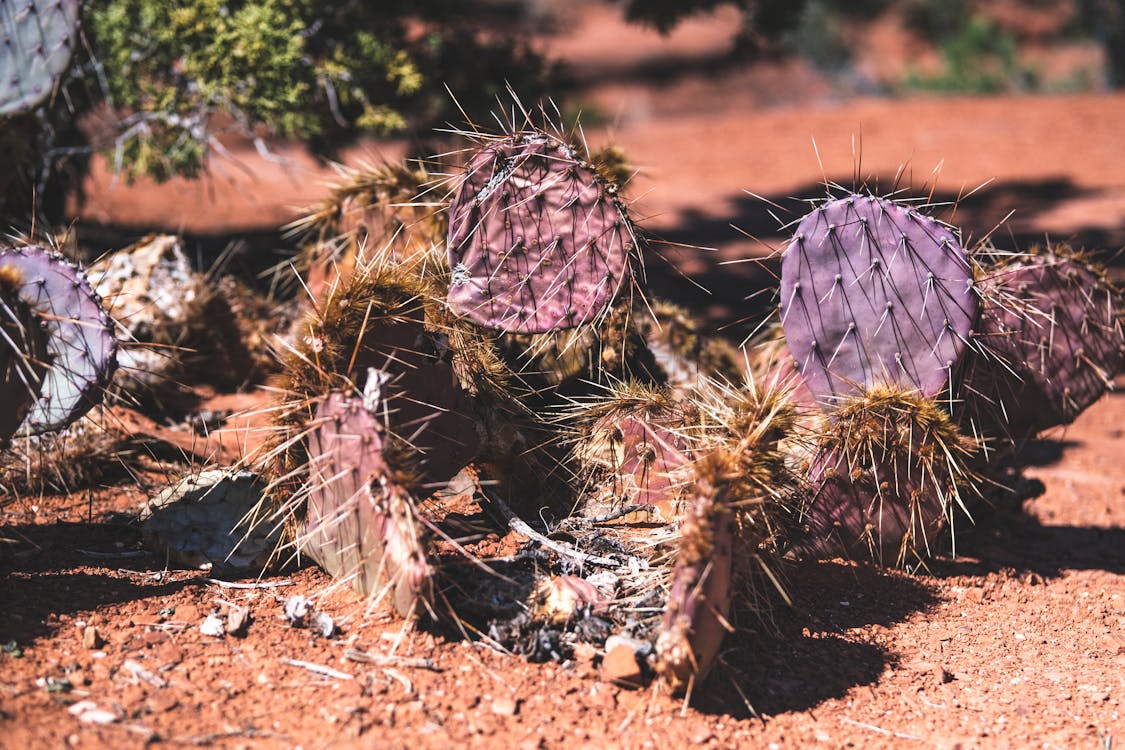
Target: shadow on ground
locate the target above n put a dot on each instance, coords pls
(809, 659)
(1008, 540)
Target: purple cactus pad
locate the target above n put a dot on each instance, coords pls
(699, 600)
(80, 341)
(874, 292)
(1051, 342)
(419, 398)
(652, 463)
(359, 525)
(537, 241)
(876, 512)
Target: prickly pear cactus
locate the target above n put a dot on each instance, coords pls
(371, 211)
(23, 355)
(1050, 342)
(636, 453)
(696, 617)
(875, 293)
(80, 346)
(37, 39)
(360, 525)
(417, 398)
(889, 475)
(537, 239)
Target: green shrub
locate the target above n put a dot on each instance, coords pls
(979, 59)
(316, 70)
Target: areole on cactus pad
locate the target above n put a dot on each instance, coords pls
(537, 240)
(875, 293)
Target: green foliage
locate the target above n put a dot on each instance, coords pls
(316, 70)
(980, 59)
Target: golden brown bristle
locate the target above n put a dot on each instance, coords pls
(10, 278)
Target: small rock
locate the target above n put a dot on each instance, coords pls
(92, 639)
(153, 637)
(324, 625)
(166, 655)
(505, 706)
(238, 619)
(584, 653)
(620, 666)
(296, 609)
(187, 613)
(89, 713)
(213, 626)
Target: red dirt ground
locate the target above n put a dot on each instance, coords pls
(1017, 642)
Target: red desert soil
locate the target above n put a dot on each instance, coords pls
(1017, 641)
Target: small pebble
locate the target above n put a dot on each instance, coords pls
(324, 625)
(213, 626)
(238, 619)
(89, 713)
(92, 639)
(296, 609)
(620, 666)
(505, 706)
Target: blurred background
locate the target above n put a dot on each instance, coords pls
(219, 119)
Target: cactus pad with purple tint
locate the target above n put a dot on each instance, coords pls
(37, 39)
(1051, 327)
(359, 525)
(874, 292)
(537, 241)
(876, 512)
(80, 342)
(420, 400)
(651, 463)
(699, 599)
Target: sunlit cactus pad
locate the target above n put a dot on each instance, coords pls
(37, 39)
(875, 293)
(80, 343)
(360, 524)
(537, 240)
(649, 460)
